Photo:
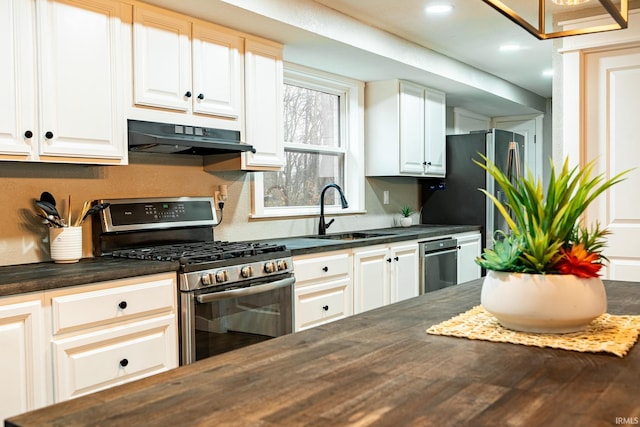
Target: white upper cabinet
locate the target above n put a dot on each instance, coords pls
(186, 67)
(405, 130)
(161, 60)
(63, 82)
(17, 79)
(263, 105)
(217, 71)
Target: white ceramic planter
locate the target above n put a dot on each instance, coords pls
(406, 221)
(549, 303)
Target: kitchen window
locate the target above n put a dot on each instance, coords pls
(323, 123)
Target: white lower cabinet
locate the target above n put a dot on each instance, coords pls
(385, 274)
(323, 291)
(109, 333)
(469, 248)
(97, 360)
(22, 361)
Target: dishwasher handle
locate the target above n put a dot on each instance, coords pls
(439, 245)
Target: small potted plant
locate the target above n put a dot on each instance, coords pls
(543, 272)
(406, 213)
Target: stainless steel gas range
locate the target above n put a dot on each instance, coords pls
(231, 294)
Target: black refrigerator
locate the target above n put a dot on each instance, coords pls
(457, 200)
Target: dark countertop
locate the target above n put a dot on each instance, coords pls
(23, 278)
(309, 244)
(378, 368)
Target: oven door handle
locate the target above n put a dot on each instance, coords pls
(217, 296)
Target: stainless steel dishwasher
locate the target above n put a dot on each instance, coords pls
(438, 264)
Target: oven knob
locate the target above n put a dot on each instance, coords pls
(270, 267)
(282, 265)
(246, 272)
(208, 279)
(222, 276)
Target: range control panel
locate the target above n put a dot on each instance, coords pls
(140, 214)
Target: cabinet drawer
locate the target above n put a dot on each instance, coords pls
(320, 268)
(98, 360)
(323, 303)
(106, 305)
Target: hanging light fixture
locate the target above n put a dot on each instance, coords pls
(553, 15)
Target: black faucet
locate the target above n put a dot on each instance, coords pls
(322, 227)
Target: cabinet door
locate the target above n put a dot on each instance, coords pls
(371, 279)
(263, 106)
(22, 366)
(405, 282)
(435, 131)
(17, 79)
(81, 79)
(323, 303)
(217, 71)
(469, 250)
(412, 116)
(108, 357)
(161, 60)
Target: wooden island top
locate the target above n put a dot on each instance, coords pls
(379, 368)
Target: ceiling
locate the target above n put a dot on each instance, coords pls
(472, 33)
(372, 40)
(380, 39)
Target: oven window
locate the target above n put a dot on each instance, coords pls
(228, 324)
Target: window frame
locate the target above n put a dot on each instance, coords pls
(351, 113)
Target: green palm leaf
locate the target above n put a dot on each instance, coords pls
(541, 226)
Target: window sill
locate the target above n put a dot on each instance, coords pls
(285, 215)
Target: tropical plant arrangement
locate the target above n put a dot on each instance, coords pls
(406, 211)
(545, 234)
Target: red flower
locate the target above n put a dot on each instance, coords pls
(579, 262)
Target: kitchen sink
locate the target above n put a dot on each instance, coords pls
(351, 236)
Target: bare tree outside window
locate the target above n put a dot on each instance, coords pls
(314, 156)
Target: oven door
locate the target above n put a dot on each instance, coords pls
(217, 322)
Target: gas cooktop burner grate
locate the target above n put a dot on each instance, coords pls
(200, 252)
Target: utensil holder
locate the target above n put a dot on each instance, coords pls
(65, 244)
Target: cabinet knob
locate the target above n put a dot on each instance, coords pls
(188, 94)
(201, 96)
(124, 362)
(28, 134)
(388, 259)
(48, 135)
(325, 307)
(325, 268)
(122, 305)
(428, 163)
(396, 259)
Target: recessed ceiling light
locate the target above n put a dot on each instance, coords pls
(438, 9)
(510, 47)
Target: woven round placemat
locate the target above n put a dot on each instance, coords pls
(607, 333)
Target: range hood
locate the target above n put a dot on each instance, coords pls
(151, 137)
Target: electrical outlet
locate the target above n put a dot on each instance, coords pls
(385, 197)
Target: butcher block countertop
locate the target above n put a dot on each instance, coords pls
(379, 368)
